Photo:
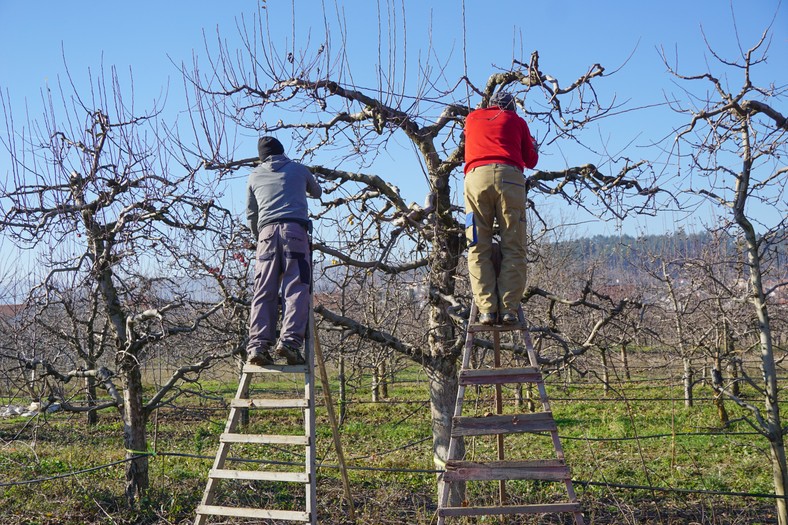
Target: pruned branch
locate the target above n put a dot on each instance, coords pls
(379, 336)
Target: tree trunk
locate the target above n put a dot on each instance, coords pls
(342, 390)
(688, 377)
(518, 395)
(375, 384)
(769, 369)
(134, 436)
(625, 361)
(605, 372)
(441, 368)
(733, 361)
(733, 371)
(777, 454)
(678, 312)
(90, 388)
(91, 395)
(716, 381)
(384, 379)
(529, 396)
(758, 299)
(443, 397)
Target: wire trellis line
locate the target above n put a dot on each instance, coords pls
(584, 483)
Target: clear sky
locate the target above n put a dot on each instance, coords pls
(147, 38)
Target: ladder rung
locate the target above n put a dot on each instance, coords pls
(268, 369)
(495, 328)
(269, 403)
(503, 424)
(259, 475)
(264, 439)
(544, 470)
(497, 376)
(510, 509)
(238, 512)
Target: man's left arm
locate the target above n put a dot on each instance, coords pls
(313, 189)
(251, 211)
(530, 148)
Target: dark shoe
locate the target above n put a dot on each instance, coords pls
(290, 353)
(510, 318)
(259, 357)
(488, 319)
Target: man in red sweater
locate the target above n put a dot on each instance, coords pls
(498, 146)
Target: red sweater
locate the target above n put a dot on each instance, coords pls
(494, 135)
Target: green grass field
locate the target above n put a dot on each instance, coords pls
(637, 435)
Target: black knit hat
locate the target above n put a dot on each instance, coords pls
(503, 100)
(267, 146)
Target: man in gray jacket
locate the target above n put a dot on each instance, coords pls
(278, 217)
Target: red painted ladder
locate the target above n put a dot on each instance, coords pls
(501, 469)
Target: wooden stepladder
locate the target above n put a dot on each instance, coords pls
(261, 473)
(458, 469)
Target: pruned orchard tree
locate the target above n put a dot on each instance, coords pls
(122, 232)
(308, 98)
(734, 147)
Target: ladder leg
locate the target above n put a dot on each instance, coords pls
(309, 422)
(500, 424)
(559, 450)
(309, 385)
(499, 410)
(224, 448)
(453, 441)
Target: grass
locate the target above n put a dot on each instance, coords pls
(637, 434)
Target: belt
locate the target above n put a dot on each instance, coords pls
(518, 168)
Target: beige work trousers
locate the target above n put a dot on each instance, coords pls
(496, 192)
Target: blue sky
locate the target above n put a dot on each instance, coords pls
(146, 37)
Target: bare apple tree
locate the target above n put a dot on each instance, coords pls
(125, 238)
(734, 146)
(308, 97)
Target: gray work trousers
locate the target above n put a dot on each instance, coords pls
(282, 266)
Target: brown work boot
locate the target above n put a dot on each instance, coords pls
(290, 353)
(259, 357)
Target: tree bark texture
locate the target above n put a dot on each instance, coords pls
(443, 396)
(761, 311)
(134, 435)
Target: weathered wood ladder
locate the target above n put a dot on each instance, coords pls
(460, 470)
(230, 437)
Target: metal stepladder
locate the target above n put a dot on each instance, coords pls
(304, 441)
(460, 470)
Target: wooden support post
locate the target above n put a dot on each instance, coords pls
(332, 418)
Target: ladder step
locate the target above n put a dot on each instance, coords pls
(264, 439)
(543, 508)
(503, 424)
(269, 403)
(239, 512)
(497, 376)
(259, 475)
(495, 328)
(544, 470)
(268, 369)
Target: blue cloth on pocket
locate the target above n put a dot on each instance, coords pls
(470, 234)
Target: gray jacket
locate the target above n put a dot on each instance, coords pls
(277, 191)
